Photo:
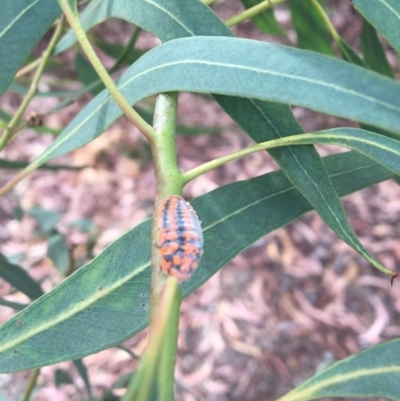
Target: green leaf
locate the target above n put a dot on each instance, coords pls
(4, 116)
(384, 15)
(114, 50)
(349, 54)
(383, 150)
(310, 80)
(154, 380)
(373, 52)
(84, 374)
(14, 305)
(265, 21)
(19, 278)
(107, 301)
(61, 376)
(15, 165)
(58, 252)
(374, 372)
(22, 24)
(88, 75)
(47, 219)
(311, 30)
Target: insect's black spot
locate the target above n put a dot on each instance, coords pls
(168, 258)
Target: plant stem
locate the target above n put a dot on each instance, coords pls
(130, 45)
(31, 385)
(200, 170)
(327, 21)
(251, 12)
(207, 2)
(73, 19)
(33, 87)
(28, 68)
(168, 179)
(160, 352)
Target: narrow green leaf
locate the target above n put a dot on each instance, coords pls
(47, 219)
(383, 150)
(88, 75)
(374, 372)
(154, 380)
(22, 24)
(61, 376)
(80, 366)
(114, 50)
(14, 305)
(373, 52)
(310, 80)
(15, 165)
(107, 301)
(265, 21)
(349, 54)
(19, 278)
(4, 116)
(166, 19)
(311, 30)
(58, 252)
(23, 90)
(384, 15)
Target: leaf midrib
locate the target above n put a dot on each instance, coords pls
(312, 390)
(9, 26)
(143, 73)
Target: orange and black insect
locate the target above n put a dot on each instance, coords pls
(180, 238)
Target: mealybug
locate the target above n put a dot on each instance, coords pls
(180, 238)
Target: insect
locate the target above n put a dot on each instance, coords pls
(180, 238)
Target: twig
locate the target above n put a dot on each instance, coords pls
(73, 19)
(251, 12)
(31, 385)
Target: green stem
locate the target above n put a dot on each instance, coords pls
(130, 45)
(251, 12)
(328, 23)
(155, 359)
(31, 385)
(33, 87)
(168, 179)
(200, 170)
(73, 19)
(166, 365)
(207, 2)
(28, 68)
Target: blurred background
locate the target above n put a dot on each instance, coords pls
(291, 304)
